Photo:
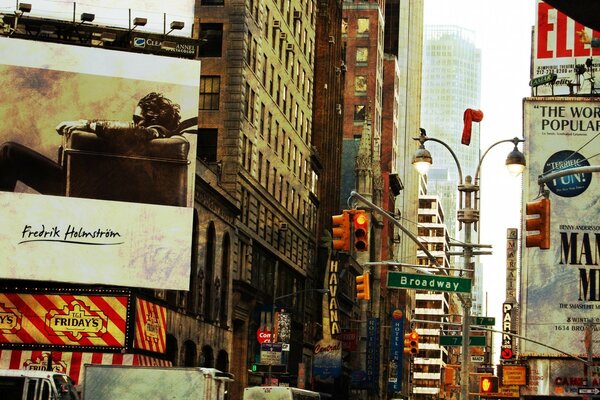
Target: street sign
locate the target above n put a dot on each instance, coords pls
(272, 368)
(483, 321)
(456, 340)
(402, 280)
(477, 359)
(593, 391)
(543, 79)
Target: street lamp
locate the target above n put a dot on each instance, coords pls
(273, 311)
(467, 213)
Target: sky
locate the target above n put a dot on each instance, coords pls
(503, 33)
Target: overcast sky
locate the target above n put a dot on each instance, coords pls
(503, 33)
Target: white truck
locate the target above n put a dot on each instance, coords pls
(17, 384)
(129, 382)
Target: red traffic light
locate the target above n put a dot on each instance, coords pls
(361, 231)
(541, 223)
(411, 343)
(341, 231)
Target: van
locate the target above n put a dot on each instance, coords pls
(16, 384)
(279, 393)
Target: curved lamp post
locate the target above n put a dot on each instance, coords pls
(467, 213)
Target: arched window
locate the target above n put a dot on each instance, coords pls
(223, 313)
(222, 361)
(189, 356)
(171, 349)
(208, 294)
(208, 358)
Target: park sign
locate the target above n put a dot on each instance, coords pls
(402, 280)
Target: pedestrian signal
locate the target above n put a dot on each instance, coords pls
(488, 385)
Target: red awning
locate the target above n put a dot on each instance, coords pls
(72, 363)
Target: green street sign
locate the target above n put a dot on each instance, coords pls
(455, 340)
(542, 80)
(483, 321)
(401, 280)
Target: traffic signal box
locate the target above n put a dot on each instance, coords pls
(540, 223)
(341, 231)
(363, 288)
(411, 343)
(488, 385)
(361, 231)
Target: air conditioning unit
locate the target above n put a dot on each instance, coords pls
(283, 36)
(276, 24)
(297, 15)
(289, 47)
(283, 226)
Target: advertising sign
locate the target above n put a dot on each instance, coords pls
(373, 347)
(327, 363)
(88, 151)
(63, 320)
(396, 349)
(558, 50)
(561, 284)
(150, 326)
(556, 377)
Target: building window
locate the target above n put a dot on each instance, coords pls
(211, 39)
(362, 54)
(210, 87)
(362, 25)
(360, 83)
(207, 145)
(359, 112)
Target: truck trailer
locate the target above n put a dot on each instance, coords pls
(132, 382)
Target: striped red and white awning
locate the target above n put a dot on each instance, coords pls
(72, 363)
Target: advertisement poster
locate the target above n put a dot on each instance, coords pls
(555, 377)
(91, 145)
(561, 285)
(558, 49)
(327, 364)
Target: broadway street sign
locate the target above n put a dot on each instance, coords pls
(401, 280)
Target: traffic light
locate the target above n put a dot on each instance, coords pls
(363, 288)
(341, 231)
(541, 223)
(488, 385)
(411, 343)
(361, 231)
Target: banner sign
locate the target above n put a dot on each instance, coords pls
(150, 327)
(561, 285)
(396, 350)
(63, 320)
(373, 347)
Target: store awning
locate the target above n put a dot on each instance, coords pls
(72, 363)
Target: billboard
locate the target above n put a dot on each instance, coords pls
(97, 164)
(561, 285)
(558, 49)
(117, 13)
